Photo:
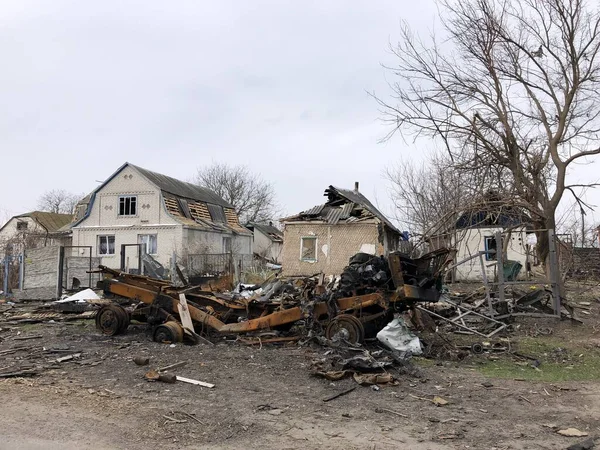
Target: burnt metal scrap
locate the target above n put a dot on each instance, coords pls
(356, 305)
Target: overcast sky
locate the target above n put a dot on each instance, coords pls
(279, 86)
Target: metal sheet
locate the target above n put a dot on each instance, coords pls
(333, 216)
(346, 210)
(314, 210)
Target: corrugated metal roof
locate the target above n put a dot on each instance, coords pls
(333, 216)
(314, 210)
(346, 210)
(334, 194)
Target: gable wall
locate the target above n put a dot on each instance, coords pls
(471, 241)
(335, 245)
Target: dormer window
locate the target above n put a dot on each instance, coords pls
(127, 205)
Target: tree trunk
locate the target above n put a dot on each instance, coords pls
(543, 246)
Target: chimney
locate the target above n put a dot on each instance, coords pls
(356, 187)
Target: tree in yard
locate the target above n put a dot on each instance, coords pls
(251, 196)
(58, 201)
(511, 89)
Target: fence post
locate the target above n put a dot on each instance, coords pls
(553, 272)
(500, 265)
(61, 260)
(21, 270)
(6, 274)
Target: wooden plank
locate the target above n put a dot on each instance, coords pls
(196, 382)
(184, 313)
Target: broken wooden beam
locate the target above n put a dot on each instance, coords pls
(196, 382)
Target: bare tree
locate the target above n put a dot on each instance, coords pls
(428, 196)
(251, 196)
(512, 87)
(58, 201)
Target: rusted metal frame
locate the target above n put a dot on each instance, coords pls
(198, 298)
(148, 296)
(464, 327)
(294, 314)
(526, 314)
(463, 312)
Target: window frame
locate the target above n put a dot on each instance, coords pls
(132, 205)
(22, 225)
(146, 244)
(114, 244)
(228, 239)
(487, 248)
(315, 240)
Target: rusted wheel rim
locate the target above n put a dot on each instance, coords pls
(347, 327)
(108, 321)
(168, 333)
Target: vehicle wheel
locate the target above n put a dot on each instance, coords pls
(347, 327)
(112, 320)
(168, 333)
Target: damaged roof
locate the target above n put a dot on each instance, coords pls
(192, 205)
(181, 188)
(343, 205)
(268, 230)
(51, 222)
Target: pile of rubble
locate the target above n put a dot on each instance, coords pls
(355, 306)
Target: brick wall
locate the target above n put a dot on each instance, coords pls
(335, 245)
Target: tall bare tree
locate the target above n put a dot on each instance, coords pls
(58, 201)
(429, 196)
(512, 85)
(251, 196)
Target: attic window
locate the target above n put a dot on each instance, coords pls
(127, 205)
(21, 226)
(308, 249)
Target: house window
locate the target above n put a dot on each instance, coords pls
(128, 205)
(106, 245)
(308, 249)
(226, 245)
(21, 226)
(490, 248)
(149, 243)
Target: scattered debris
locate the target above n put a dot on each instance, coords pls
(196, 382)
(68, 357)
(25, 338)
(81, 297)
(588, 444)
(382, 410)
(172, 366)
(339, 394)
(572, 432)
(141, 360)
(397, 336)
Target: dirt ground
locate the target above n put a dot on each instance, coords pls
(267, 398)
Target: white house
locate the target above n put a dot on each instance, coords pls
(268, 241)
(168, 217)
(476, 232)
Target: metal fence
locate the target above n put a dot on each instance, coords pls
(218, 264)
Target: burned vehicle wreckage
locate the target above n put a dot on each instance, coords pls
(353, 306)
